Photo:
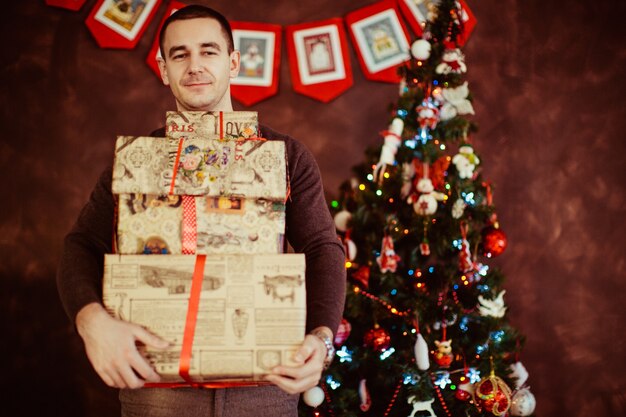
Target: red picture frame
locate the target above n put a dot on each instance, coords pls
(260, 47)
(381, 40)
(318, 59)
(117, 28)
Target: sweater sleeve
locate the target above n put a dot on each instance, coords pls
(79, 274)
(311, 230)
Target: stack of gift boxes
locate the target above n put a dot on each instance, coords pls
(199, 236)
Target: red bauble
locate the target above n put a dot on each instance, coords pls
(493, 241)
(377, 339)
(343, 332)
(493, 395)
(462, 395)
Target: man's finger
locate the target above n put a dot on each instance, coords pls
(130, 378)
(143, 368)
(149, 339)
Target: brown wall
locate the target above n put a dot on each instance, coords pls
(547, 84)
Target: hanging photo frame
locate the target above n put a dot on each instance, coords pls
(73, 5)
(120, 23)
(318, 59)
(381, 40)
(259, 46)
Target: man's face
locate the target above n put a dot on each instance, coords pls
(198, 67)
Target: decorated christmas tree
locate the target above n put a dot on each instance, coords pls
(425, 330)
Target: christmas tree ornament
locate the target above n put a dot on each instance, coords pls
(492, 394)
(443, 356)
(465, 161)
(364, 396)
(420, 49)
(421, 406)
(313, 397)
(464, 391)
(342, 220)
(493, 241)
(362, 276)
(458, 208)
(377, 339)
(455, 102)
(388, 260)
(420, 350)
(349, 247)
(425, 247)
(466, 263)
(427, 115)
(519, 372)
(426, 203)
(523, 403)
(436, 172)
(452, 62)
(343, 332)
(492, 308)
(393, 139)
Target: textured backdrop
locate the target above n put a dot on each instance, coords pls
(547, 79)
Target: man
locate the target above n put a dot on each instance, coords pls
(198, 62)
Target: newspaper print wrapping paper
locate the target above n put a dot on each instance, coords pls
(149, 224)
(247, 168)
(251, 316)
(212, 125)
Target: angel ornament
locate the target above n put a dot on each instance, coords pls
(455, 102)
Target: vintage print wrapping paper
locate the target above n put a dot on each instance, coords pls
(149, 224)
(212, 125)
(250, 316)
(161, 166)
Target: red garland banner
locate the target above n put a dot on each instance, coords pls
(318, 59)
(381, 40)
(259, 44)
(73, 5)
(418, 14)
(120, 24)
(155, 52)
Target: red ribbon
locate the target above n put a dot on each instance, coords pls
(192, 317)
(176, 162)
(189, 226)
(221, 125)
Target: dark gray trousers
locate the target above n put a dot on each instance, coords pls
(264, 401)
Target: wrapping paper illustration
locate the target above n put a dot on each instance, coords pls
(161, 166)
(212, 125)
(251, 313)
(150, 224)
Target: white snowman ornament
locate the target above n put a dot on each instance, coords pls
(452, 62)
(426, 203)
(465, 161)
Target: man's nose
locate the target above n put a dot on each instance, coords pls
(195, 64)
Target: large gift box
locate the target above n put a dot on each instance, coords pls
(149, 224)
(227, 317)
(162, 166)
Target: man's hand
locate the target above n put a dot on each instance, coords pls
(111, 348)
(308, 371)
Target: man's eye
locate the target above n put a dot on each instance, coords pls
(178, 56)
(210, 53)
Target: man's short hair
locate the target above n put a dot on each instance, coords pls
(196, 11)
